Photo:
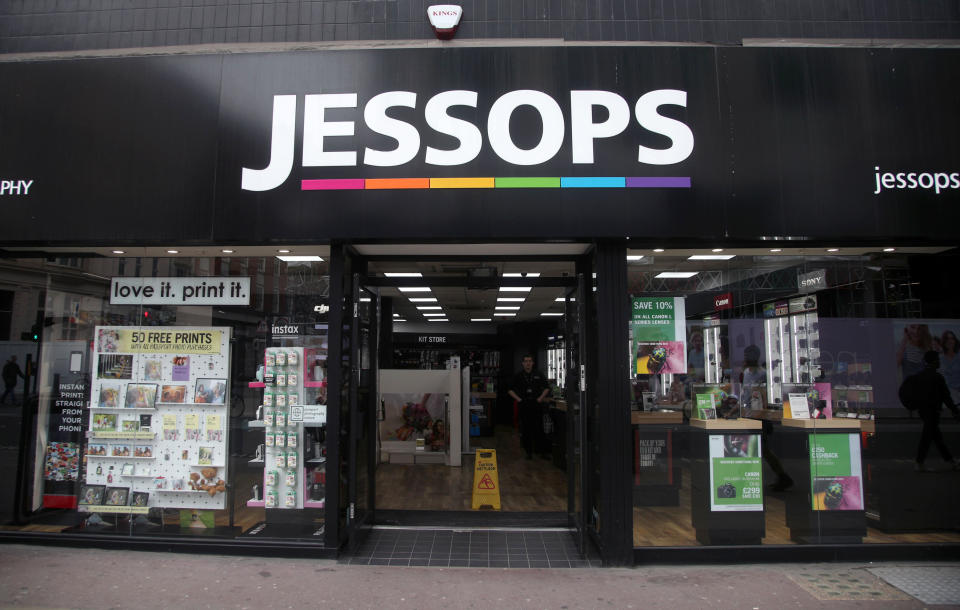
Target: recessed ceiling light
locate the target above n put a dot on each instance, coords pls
(504, 315)
(412, 274)
(173, 252)
(434, 314)
(414, 289)
(364, 299)
(283, 251)
(511, 299)
(658, 249)
(561, 299)
(515, 288)
(396, 315)
(118, 251)
(710, 257)
(507, 307)
(400, 320)
(717, 250)
(438, 320)
(889, 249)
(428, 307)
(676, 275)
(225, 251)
(300, 259)
(423, 299)
(531, 274)
(551, 313)
(776, 249)
(634, 257)
(481, 319)
(833, 249)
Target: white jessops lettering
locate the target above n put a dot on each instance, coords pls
(938, 181)
(498, 127)
(406, 135)
(466, 133)
(15, 187)
(281, 148)
(584, 131)
(316, 128)
(679, 134)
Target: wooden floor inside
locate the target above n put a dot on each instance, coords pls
(673, 526)
(525, 485)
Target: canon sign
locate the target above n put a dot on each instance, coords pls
(583, 130)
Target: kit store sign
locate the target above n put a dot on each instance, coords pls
(812, 281)
(723, 301)
(180, 291)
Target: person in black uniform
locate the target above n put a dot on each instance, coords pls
(530, 389)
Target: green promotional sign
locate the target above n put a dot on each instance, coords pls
(830, 455)
(736, 480)
(836, 482)
(658, 335)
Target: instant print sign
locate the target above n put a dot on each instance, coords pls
(180, 291)
(836, 479)
(735, 473)
(659, 335)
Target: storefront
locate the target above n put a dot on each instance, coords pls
(209, 238)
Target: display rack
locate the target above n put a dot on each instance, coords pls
(173, 381)
(291, 378)
(793, 346)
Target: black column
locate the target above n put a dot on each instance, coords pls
(386, 332)
(334, 396)
(613, 400)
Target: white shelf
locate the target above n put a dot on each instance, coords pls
(206, 465)
(317, 460)
(182, 491)
(119, 457)
(121, 409)
(192, 404)
(139, 476)
(255, 461)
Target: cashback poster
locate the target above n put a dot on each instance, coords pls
(658, 334)
(836, 480)
(736, 482)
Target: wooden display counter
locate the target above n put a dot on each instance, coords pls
(823, 424)
(645, 418)
(727, 424)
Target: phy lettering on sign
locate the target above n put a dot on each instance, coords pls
(180, 291)
(15, 186)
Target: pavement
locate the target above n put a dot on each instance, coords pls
(60, 577)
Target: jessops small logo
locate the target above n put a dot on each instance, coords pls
(15, 187)
(935, 181)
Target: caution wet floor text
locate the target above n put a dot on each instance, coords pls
(486, 483)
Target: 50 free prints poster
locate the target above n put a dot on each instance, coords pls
(736, 482)
(658, 334)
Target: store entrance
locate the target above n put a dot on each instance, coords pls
(454, 334)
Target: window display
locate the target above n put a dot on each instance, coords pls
(184, 474)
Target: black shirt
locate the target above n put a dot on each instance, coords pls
(933, 392)
(529, 386)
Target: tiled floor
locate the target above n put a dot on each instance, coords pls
(474, 549)
(930, 584)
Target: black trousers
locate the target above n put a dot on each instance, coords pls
(932, 434)
(531, 426)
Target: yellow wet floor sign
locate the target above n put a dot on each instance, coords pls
(486, 484)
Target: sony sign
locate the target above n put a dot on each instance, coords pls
(812, 281)
(585, 107)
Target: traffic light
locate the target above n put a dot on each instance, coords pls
(33, 335)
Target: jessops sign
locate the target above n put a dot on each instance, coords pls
(584, 106)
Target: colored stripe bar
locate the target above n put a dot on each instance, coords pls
(528, 183)
(331, 185)
(592, 182)
(462, 183)
(675, 182)
(398, 183)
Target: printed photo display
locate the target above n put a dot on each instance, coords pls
(178, 373)
(211, 391)
(141, 396)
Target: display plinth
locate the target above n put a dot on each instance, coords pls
(657, 476)
(825, 506)
(726, 490)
